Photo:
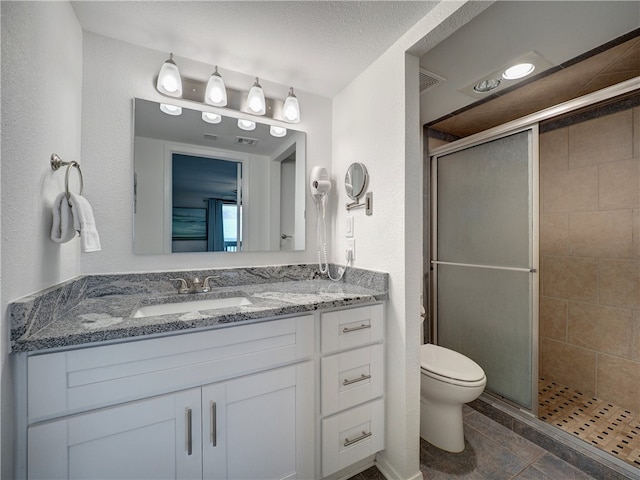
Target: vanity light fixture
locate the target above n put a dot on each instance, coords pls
(246, 124)
(211, 117)
(519, 70)
(276, 131)
(169, 80)
(255, 100)
(291, 108)
(171, 109)
(216, 93)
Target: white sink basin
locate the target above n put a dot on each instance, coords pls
(192, 306)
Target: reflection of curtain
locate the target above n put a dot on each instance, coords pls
(215, 232)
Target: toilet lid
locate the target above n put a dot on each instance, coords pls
(450, 364)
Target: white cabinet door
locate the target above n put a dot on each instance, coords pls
(260, 426)
(158, 438)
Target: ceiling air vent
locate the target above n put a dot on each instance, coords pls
(249, 142)
(428, 80)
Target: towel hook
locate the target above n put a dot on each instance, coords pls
(57, 162)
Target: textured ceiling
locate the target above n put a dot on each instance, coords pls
(316, 46)
(617, 64)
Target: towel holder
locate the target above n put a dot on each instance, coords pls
(57, 162)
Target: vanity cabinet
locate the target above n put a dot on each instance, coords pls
(252, 427)
(292, 397)
(143, 439)
(351, 385)
(227, 403)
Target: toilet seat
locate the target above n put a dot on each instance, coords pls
(450, 367)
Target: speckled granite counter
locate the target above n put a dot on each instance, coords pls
(100, 308)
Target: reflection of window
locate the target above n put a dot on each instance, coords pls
(230, 220)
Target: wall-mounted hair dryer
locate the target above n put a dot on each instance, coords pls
(319, 184)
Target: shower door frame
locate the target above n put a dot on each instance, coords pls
(514, 126)
(533, 270)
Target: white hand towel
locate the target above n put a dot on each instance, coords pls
(62, 229)
(84, 223)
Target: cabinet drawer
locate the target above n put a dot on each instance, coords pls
(351, 436)
(351, 328)
(351, 378)
(78, 380)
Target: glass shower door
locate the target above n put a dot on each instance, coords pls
(484, 260)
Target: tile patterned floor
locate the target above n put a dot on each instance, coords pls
(492, 452)
(608, 427)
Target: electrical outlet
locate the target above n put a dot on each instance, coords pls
(351, 249)
(349, 233)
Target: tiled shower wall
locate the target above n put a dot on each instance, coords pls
(590, 257)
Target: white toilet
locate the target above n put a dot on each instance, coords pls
(448, 380)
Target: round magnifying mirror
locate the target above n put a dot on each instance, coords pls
(355, 181)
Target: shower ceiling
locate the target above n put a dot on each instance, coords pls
(587, 45)
(614, 65)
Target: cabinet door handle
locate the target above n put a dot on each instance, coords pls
(364, 435)
(189, 433)
(353, 329)
(362, 377)
(214, 425)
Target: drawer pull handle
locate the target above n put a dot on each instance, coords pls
(189, 433)
(362, 377)
(214, 425)
(353, 329)
(364, 435)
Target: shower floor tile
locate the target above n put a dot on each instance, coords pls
(608, 427)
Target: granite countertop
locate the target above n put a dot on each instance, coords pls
(110, 317)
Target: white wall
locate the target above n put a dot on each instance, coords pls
(114, 73)
(41, 108)
(376, 121)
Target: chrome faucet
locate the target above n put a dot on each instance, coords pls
(196, 285)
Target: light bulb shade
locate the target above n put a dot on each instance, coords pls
(216, 93)
(255, 100)
(169, 81)
(246, 124)
(211, 117)
(276, 131)
(171, 109)
(291, 108)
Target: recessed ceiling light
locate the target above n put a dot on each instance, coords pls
(487, 85)
(518, 71)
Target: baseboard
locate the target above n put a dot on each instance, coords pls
(391, 473)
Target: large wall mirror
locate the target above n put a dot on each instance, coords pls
(214, 187)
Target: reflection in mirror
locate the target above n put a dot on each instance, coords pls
(355, 181)
(212, 187)
(214, 226)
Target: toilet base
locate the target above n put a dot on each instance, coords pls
(441, 425)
